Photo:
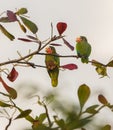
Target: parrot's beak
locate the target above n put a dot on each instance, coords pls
(48, 50)
(78, 39)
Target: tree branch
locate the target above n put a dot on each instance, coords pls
(9, 123)
(32, 54)
(49, 121)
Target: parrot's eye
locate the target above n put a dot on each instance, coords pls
(78, 39)
(48, 50)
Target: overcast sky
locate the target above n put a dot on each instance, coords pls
(91, 18)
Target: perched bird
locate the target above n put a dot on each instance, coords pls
(52, 64)
(83, 49)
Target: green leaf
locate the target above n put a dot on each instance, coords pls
(106, 127)
(102, 71)
(77, 123)
(12, 92)
(60, 123)
(29, 24)
(28, 117)
(22, 11)
(42, 127)
(110, 64)
(6, 33)
(100, 68)
(83, 94)
(91, 109)
(22, 27)
(24, 114)
(102, 99)
(4, 20)
(42, 117)
(96, 63)
(83, 129)
(2, 104)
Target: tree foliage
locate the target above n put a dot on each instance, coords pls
(73, 119)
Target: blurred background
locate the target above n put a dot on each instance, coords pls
(93, 19)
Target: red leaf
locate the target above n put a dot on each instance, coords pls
(102, 99)
(69, 66)
(11, 16)
(12, 75)
(55, 44)
(61, 27)
(31, 37)
(68, 44)
(25, 39)
(11, 91)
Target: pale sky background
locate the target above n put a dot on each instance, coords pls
(91, 18)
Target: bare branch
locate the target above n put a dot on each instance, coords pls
(9, 123)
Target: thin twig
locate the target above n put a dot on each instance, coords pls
(32, 64)
(54, 38)
(88, 117)
(9, 123)
(51, 30)
(49, 121)
(33, 53)
(17, 60)
(62, 56)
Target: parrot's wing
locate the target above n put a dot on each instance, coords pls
(88, 49)
(83, 49)
(80, 48)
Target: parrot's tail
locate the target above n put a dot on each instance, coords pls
(54, 82)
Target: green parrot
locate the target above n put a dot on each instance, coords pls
(52, 64)
(83, 49)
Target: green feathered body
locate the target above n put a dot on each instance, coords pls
(83, 49)
(52, 64)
